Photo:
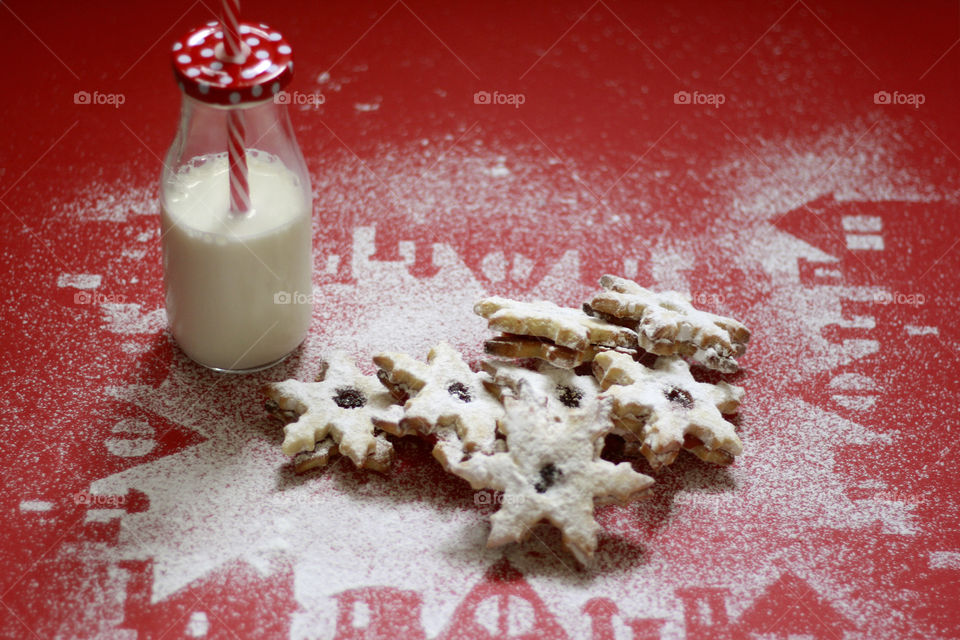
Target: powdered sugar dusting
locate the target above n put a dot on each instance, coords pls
(79, 280)
(231, 497)
(122, 318)
(112, 203)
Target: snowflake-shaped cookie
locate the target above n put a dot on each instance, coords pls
(561, 390)
(668, 324)
(570, 328)
(667, 410)
(341, 405)
(551, 471)
(325, 450)
(444, 397)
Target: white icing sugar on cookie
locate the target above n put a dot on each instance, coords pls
(668, 324)
(562, 390)
(444, 397)
(326, 450)
(667, 410)
(342, 404)
(571, 328)
(551, 471)
(522, 347)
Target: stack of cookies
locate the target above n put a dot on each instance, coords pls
(532, 423)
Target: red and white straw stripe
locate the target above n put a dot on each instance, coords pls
(239, 186)
(230, 23)
(236, 154)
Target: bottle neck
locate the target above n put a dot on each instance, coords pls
(204, 132)
(266, 126)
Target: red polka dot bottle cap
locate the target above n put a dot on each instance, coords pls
(205, 72)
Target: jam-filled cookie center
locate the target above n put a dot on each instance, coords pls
(349, 398)
(549, 474)
(459, 391)
(679, 396)
(569, 396)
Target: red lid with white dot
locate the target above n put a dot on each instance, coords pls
(205, 72)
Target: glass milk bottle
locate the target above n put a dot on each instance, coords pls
(236, 205)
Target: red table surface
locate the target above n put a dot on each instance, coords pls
(806, 183)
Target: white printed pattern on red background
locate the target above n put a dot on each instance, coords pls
(190, 533)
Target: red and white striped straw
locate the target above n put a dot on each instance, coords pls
(239, 186)
(230, 23)
(236, 154)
